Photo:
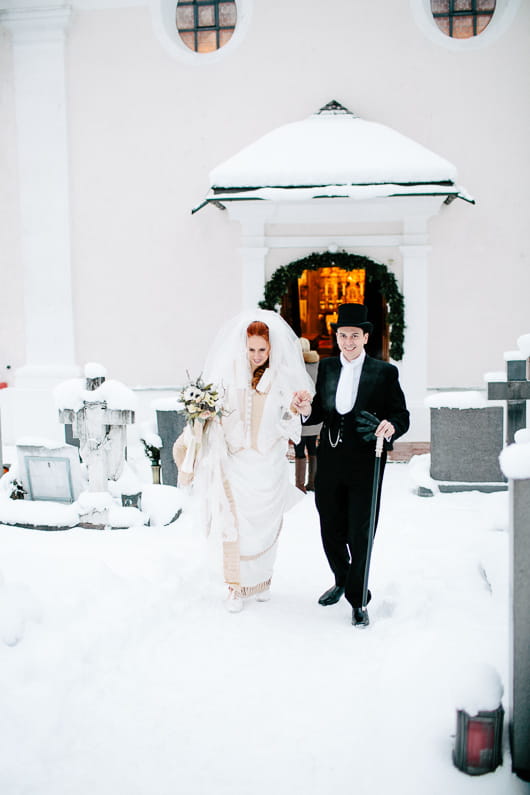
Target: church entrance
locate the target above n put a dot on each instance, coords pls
(311, 304)
(309, 292)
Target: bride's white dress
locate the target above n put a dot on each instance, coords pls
(256, 488)
(243, 467)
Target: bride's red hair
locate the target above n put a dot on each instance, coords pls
(258, 329)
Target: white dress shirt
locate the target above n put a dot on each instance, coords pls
(348, 385)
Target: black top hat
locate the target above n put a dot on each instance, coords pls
(353, 315)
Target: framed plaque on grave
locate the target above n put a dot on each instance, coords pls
(49, 471)
(49, 478)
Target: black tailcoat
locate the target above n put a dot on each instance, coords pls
(343, 485)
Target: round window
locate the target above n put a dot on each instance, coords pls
(462, 19)
(206, 25)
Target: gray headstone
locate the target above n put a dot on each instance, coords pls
(50, 473)
(466, 444)
(170, 426)
(515, 391)
(69, 437)
(520, 539)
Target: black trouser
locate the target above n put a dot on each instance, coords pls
(309, 442)
(343, 492)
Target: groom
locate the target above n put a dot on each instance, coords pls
(346, 386)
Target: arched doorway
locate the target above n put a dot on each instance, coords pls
(310, 290)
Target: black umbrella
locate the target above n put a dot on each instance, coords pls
(373, 513)
(367, 424)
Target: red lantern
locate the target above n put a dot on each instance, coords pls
(478, 744)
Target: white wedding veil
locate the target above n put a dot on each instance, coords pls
(227, 362)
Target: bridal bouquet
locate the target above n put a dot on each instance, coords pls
(200, 403)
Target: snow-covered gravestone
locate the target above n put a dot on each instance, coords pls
(515, 462)
(49, 471)
(170, 422)
(466, 440)
(514, 387)
(99, 412)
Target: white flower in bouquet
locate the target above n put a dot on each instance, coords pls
(191, 393)
(200, 401)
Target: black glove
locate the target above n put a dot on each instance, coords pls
(366, 425)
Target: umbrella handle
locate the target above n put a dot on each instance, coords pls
(379, 446)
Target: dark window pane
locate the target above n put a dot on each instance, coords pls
(185, 17)
(206, 40)
(443, 24)
(224, 36)
(227, 14)
(188, 39)
(485, 5)
(483, 21)
(439, 6)
(463, 5)
(206, 16)
(462, 27)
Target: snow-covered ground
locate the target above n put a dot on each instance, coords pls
(122, 673)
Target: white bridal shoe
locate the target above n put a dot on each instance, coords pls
(234, 601)
(264, 596)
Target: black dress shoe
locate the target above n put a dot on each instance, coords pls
(359, 617)
(331, 596)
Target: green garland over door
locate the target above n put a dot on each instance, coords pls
(277, 286)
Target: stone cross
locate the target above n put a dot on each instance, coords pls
(102, 434)
(515, 390)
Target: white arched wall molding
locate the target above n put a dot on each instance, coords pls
(164, 26)
(412, 213)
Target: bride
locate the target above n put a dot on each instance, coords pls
(257, 364)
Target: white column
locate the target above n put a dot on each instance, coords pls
(38, 39)
(253, 249)
(253, 273)
(413, 368)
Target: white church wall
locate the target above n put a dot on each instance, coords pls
(140, 158)
(479, 260)
(152, 282)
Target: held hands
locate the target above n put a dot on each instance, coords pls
(301, 403)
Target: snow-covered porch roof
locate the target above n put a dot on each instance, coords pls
(332, 154)
(335, 181)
